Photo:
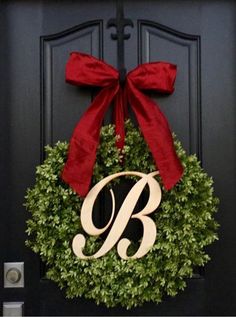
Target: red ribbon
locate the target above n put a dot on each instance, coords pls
(83, 69)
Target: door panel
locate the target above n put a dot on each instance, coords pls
(38, 108)
(158, 42)
(62, 104)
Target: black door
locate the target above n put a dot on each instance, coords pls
(37, 108)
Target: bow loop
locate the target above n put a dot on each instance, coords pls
(159, 76)
(83, 69)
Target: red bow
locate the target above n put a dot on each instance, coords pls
(83, 69)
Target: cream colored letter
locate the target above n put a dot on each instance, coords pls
(122, 218)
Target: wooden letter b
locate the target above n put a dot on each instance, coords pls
(122, 218)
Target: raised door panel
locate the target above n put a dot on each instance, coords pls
(62, 104)
(158, 42)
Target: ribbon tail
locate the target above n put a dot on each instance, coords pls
(78, 169)
(156, 131)
(120, 113)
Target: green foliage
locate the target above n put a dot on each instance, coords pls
(184, 220)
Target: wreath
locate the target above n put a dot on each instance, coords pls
(184, 220)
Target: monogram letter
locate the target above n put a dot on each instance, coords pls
(122, 218)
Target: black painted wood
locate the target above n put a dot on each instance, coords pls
(37, 107)
(157, 41)
(55, 95)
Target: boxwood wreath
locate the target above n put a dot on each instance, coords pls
(185, 226)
